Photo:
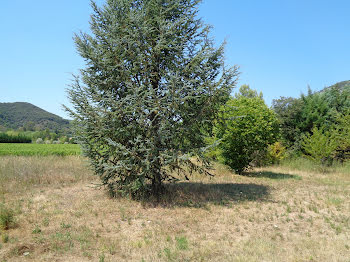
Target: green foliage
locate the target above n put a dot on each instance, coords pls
(246, 91)
(19, 138)
(250, 127)
(319, 146)
(289, 112)
(181, 243)
(39, 137)
(39, 150)
(316, 112)
(5, 237)
(276, 153)
(343, 136)
(7, 217)
(152, 86)
(316, 109)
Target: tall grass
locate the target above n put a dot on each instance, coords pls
(304, 164)
(19, 173)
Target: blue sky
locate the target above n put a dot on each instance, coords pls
(281, 46)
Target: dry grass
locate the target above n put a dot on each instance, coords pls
(273, 214)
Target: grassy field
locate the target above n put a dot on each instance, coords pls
(273, 214)
(39, 149)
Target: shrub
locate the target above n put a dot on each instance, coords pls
(275, 153)
(319, 146)
(5, 238)
(249, 127)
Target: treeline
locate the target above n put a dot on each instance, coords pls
(19, 138)
(316, 126)
(39, 137)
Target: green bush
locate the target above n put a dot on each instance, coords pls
(249, 127)
(276, 153)
(5, 238)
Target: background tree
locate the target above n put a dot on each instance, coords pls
(246, 91)
(343, 137)
(289, 113)
(250, 127)
(319, 146)
(152, 86)
(316, 112)
(298, 116)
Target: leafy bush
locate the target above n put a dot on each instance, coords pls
(249, 127)
(275, 153)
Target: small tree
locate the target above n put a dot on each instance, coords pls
(276, 153)
(250, 127)
(319, 146)
(152, 86)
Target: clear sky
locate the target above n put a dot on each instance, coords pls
(281, 46)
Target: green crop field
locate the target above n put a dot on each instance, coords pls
(39, 149)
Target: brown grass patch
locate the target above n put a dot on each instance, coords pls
(273, 214)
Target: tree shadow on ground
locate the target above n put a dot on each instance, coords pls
(199, 195)
(272, 175)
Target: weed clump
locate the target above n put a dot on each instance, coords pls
(5, 238)
(7, 218)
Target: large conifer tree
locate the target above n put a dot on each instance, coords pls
(151, 88)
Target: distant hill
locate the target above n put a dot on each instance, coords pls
(340, 86)
(21, 114)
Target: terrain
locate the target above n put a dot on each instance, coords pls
(340, 85)
(21, 114)
(279, 213)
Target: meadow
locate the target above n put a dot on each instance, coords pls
(39, 149)
(289, 212)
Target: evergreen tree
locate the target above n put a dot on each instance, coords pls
(151, 88)
(289, 112)
(320, 146)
